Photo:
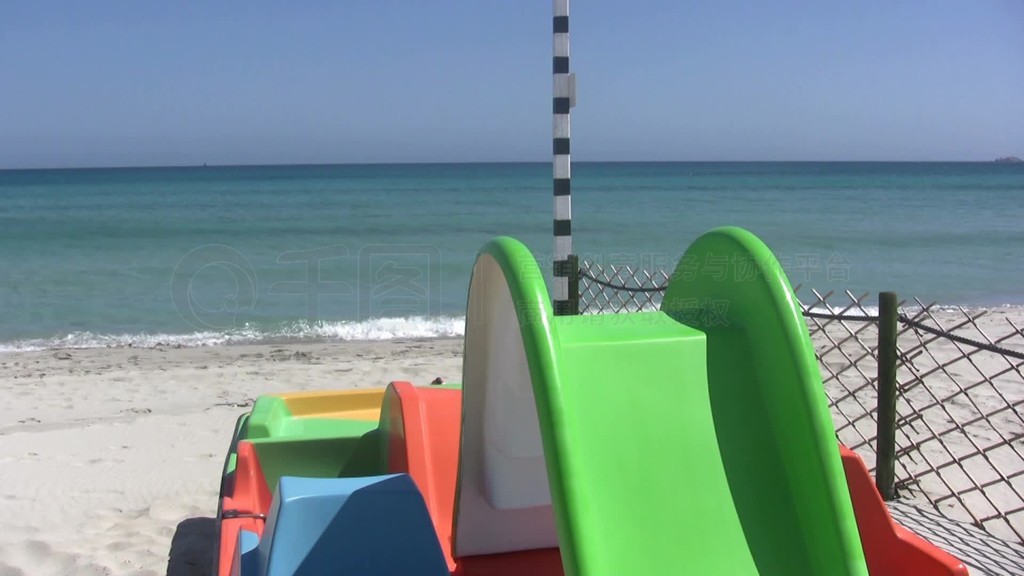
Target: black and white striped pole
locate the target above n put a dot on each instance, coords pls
(566, 264)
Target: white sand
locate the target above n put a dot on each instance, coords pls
(107, 455)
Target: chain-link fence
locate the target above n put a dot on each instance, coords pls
(845, 338)
(960, 434)
(619, 288)
(959, 442)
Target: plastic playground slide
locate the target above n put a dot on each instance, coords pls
(702, 427)
(691, 440)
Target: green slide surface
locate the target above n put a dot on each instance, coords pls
(695, 439)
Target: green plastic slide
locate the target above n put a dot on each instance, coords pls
(695, 439)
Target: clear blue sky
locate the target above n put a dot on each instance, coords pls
(131, 82)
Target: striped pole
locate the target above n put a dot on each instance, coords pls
(566, 268)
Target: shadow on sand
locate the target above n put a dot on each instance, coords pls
(192, 548)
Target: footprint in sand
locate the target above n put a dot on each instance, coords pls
(282, 355)
(38, 557)
(119, 546)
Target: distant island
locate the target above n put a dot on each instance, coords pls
(1009, 160)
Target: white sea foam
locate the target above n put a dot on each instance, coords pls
(339, 331)
(374, 329)
(912, 308)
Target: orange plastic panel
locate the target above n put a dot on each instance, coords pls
(251, 491)
(423, 440)
(424, 427)
(229, 530)
(244, 506)
(890, 549)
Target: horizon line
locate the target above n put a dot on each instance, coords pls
(484, 162)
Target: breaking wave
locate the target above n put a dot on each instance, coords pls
(299, 331)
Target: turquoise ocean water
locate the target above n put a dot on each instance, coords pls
(239, 254)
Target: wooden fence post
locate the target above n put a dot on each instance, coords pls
(574, 285)
(885, 446)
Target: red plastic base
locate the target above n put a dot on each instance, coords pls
(890, 549)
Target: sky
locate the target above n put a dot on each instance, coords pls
(147, 83)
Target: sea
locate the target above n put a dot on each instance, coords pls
(194, 256)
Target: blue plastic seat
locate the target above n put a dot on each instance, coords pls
(371, 526)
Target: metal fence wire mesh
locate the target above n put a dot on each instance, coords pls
(845, 338)
(619, 288)
(960, 385)
(960, 435)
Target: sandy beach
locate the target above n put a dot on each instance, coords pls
(109, 455)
